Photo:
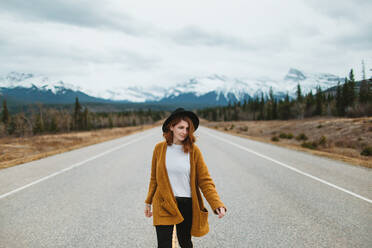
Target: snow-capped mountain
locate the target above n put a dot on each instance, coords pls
(27, 87)
(221, 89)
(309, 81)
(28, 80)
(212, 90)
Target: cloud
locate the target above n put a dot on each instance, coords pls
(342, 9)
(92, 14)
(84, 55)
(192, 36)
(164, 42)
(259, 44)
(357, 39)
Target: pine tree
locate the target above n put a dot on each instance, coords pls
(319, 101)
(53, 127)
(87, 125)
(270, 105)
(364, 91)
(77, 114)
(254, 106)
(225, 118)
(339, 104)
(351, 75)
(329, 98)
(351, 96)
(286, 108)
(275, 109)
(245, 105)
(214, 114)
(39, 123)
(299, 94)
(5, 114)
(309, 103)
(345, 100)
(261, 107)
(235, 115)
(11, 127)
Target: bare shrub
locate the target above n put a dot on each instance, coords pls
(311, 145)
(322, 141)
(367, 151)
(275, 138)
(243, 128)
(301, 136)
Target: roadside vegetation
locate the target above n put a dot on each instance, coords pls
(18, 150)
(52, 120)
(30, 135)
(345, 139)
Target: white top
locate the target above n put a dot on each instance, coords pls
(178, 168)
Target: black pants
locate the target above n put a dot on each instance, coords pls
(164, 232)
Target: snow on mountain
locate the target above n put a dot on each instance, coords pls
(309, 81)
(220, 84)
(294, 75)
(28, 80)
(224, 86)
(133, 94)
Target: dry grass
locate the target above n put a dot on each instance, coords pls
(14, 151)
(343, 138)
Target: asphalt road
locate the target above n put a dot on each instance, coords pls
(276, 197)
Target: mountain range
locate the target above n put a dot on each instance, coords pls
(199, 91)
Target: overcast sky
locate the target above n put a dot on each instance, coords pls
(116, 43)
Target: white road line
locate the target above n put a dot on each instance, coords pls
(71, 167)
(292, 168)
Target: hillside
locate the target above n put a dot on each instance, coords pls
(338, 138)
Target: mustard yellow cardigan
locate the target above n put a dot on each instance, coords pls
(160, 194)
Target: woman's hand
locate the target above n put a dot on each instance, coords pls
(221, 212)
(148, 212)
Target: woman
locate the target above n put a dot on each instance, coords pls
(177, 172)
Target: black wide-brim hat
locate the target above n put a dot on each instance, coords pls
(181, 112)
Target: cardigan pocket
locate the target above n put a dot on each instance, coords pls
(165, 209)
(203, 217)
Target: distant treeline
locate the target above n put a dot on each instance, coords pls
(53, 120)
(346, 100)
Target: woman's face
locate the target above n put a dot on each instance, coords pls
(180, 131)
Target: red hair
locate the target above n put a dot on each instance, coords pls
(190, 138)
